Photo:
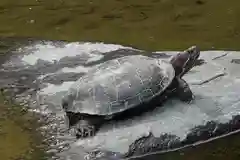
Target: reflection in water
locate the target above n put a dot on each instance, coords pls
(47, 70)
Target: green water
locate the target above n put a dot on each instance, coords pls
(19, 139)
(150, 25)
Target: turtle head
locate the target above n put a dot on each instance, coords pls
(185, 61)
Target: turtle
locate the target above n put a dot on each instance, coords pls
(124, 84)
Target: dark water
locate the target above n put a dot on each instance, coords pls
(40, 72)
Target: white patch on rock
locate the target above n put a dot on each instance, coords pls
(53, 89)
(78, 69)
(52, 53)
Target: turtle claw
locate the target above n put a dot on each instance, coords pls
(83, 130)
(191, 100)
(199, 62)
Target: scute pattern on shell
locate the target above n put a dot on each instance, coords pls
(119, 84)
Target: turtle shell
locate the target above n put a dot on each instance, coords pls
(119, 84)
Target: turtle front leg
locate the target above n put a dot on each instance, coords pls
(183, 91)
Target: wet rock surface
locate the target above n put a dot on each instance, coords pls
(41, 83)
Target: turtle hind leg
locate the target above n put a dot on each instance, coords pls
(86, 126)
(83, 129)
(184, 92)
